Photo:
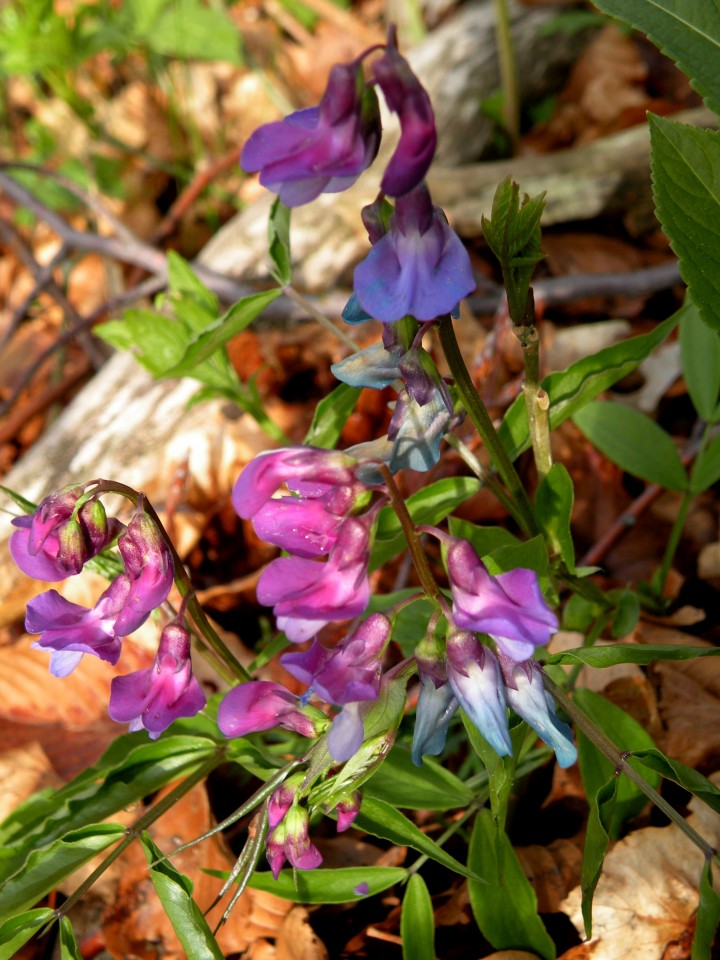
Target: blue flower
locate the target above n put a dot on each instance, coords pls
(477, 682)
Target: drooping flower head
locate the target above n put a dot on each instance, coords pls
(149, 564)
(418, 267)
(70, 630)
(261, 705)
(323, 149)
(291, 841)
(509, 606)
(58, 539)
(406, 97)
(155, 697)
(475, 678)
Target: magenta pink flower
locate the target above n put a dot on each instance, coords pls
(320, 150)
(290, 840)
(509, 606)
(307, 594)
(149, 564)
(70, 630)
(155, 697)
(262, 705)
(347, 810)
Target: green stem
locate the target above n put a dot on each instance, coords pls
(183, 583)
(292, 294)
(142, 823)
(508, 73)
(487, 479)
(537, 401)
(620, 762)
(660, 578)
(417, 553)
(481, 418)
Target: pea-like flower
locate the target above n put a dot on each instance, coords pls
(509, 606)
(261, 705)
(155, 697)
(476, 680)
(149, 564)
(419, 267)
(323, 149)
(291, 841)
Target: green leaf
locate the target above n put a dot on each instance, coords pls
(607, 655)
(331, 415)
(707, 917)
(686, 777)
(16, 932)
(189, 31)
(182, 279)
(596, 769)
(222, 330)
(597, 837)
(279, 242)
(505, 907)
(417, 922)
(428, 506)
(700, 355)
(175, 893)
(485, 540)
(158, 342)
(69, 949)
(50, 865)
(688, 31)
(382, 820)
(553, 509)
(328, 886)
(627, 614)
(685, 165)
(430, 787)
(634, 442)
(531, 555)
(706, 470)
(571, 389)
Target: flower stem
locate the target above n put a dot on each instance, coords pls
(536, 399)
(508, 73)
(660, 578)
(620, 762)
(417, 553)
(481, 418)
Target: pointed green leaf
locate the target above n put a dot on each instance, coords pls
(344, 885)
(597, 837)
(686, 777)
(331, 415)
(69, 949)
(706, 470)
(183, 279)
(429, 787)
(634, 442)
(700, 355)
(175, 893)
(16, 932)
(553, 509)
(279, 242)
(607, 655)
(708, 916)
(505, 906)
(686, 184)
(417, 922)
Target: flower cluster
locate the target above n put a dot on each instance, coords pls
(510, 609)
(68, 529)
(320, 519)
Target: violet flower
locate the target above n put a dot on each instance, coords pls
(349, 672)
(70, 630)
(347, 810)
(509, 606)
(323, 149)
(304, 527)
(52, 544)
(419, 267)
(261, 705)
(346, 734)
(311, 472)
(155, 697)
(278, 805)
(307, 594)
(149, 564)
(406, 97)
(475, 678)
(290, 840)
(435, 709)
(526, 694)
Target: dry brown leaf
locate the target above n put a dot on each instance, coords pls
(23, 770)
(297, 940)
(511, 955)
(553, 870)
(648, 890)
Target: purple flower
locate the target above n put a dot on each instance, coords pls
(406, 97)
(167, 690)
(347, 810)
(419, 267)
(527, 696)
(307, 594)
(279, 804)
(290, 841)
(262, 705)
(435, 709)
(302, 526)
(311, 472)
(476, 681)
(52, 544)
(69, 630)
(509, 606)
(149, 564)
(320, 150)
(346, 733)
(349, 672)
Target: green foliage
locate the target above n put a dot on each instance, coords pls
(634, 442)
(686, 178)
(505, 906)
(175, 893)
(700, 355)
(328, 885)
(707, 918)
(331, 415)
(279, 242)
(553, 508)
(417, 922)
(597, 838)
(16, 932)
(429, 787)
(513, 234)
(69, 949)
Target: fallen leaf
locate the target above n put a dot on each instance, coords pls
(23, 770)
(297, 940)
